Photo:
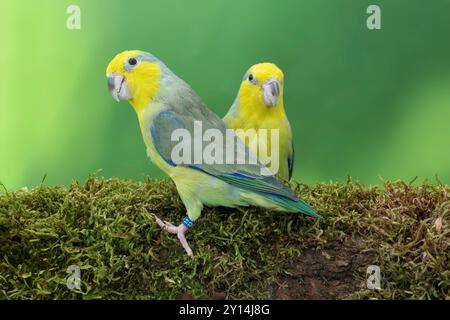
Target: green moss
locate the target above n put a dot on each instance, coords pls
(106, 227)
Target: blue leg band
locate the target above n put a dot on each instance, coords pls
(188, 223)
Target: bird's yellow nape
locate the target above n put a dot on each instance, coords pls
(142, 76)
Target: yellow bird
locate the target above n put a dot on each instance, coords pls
(259, 105)
(166, 105)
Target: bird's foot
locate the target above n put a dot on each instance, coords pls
(179, 231)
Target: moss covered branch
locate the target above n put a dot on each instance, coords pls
(106, 227)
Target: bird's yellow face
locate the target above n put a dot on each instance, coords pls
(134, 76)
(262, 89)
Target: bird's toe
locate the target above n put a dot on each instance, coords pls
(167, 226)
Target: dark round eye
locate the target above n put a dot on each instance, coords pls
(132, 61)
(250, 77)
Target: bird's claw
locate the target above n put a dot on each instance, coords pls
(167, 226)
(179, 231)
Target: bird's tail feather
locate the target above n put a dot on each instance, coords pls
(294, 205)
(278, 202)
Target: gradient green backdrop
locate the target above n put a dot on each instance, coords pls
(364, 103)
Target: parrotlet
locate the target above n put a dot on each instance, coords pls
(164, 105)
(259, 106)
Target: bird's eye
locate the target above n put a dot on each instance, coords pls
(251, 77)
(132, 61)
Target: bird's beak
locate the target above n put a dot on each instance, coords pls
(118, 87)
(271, 92)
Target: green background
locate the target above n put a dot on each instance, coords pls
(364, 103)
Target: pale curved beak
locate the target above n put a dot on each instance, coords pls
(271, 92)
(118, 87)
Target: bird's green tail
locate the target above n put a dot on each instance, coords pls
(294, 205)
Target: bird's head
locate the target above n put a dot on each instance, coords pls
(134, 76)
(262, 86)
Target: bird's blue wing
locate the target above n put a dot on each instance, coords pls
(246, 176)
(291, 159)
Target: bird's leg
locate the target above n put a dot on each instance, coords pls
(179, 231)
